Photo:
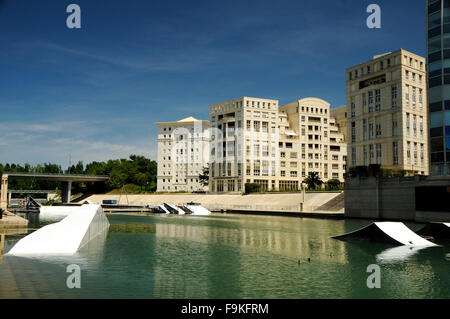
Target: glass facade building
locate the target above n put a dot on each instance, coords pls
(438, 53)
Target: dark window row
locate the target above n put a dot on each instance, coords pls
(435, 6)
(437, 81)
(439, 157)
(436, 132)
(439, 132)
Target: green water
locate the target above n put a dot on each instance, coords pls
(228, 256)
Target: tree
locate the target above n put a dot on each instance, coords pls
(333, 184)
(204, 176)
(141, 179)
(313, 180)
(137, 170)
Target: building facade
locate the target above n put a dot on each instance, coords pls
(340, 115)
(438, 52)
(255, 141)
(320, 145)
(387, 118)
(183, 151)
(244, 143)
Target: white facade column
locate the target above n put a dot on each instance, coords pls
(4, 193)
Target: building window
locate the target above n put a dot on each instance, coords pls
(353, 108)
(395, 152)
(353, 132)
(353, 156)
(365, 154)
(364, 130)
(377, 95)
(394, 92)
(379, 155)
(256, 167)
(378, 130)
(394, 128)
(372, 155)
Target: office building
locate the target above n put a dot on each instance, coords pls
(438, 52)
(387, 118)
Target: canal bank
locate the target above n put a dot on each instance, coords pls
(11, 221)
(320, 204)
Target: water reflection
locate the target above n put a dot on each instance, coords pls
(2, 244)
(132, 228)
(229, 257)
(398, 254)
(264, 233)
(10, 234)
(44, 276)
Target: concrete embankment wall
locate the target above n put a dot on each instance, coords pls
(12, 221)
(394, 198)
(291, 202)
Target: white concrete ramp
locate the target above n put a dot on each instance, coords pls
(393, 232)
(66, 237)
(174, 209)
(198, 210)
(57, 213)
(164, 209)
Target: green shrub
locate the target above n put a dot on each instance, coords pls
(333, 184)
(387, 172)
(252, 188)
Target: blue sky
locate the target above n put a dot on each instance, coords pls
(96, 92)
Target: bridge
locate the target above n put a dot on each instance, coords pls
(66, 180)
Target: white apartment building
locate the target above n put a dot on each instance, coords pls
(315, 137)
(183, 151)
(254, 140)
(244, 143)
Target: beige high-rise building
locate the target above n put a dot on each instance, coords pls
(255, 141)
(387, 112)
(244, 143)
(340, 115)
(183, 151)
(320, 145)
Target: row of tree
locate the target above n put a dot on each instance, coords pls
(137, 170)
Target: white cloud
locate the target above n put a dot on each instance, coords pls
(56, 142)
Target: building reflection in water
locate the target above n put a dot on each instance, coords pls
(271, 235)
(230, 242)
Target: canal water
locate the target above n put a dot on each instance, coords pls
(229, 256)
